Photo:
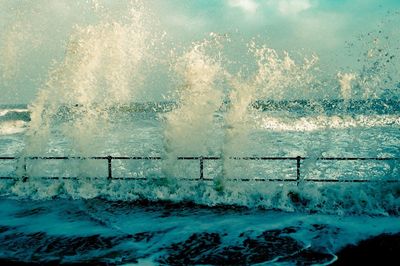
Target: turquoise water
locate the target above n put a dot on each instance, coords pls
(143, 222)
(221, 82)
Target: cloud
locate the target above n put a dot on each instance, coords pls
(248, 6)
(290, 7)
(283, 7)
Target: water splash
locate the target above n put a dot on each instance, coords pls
(345, 81)
(101, 68)
(274, 78)
(17, 39)
(104, 68)
(190, 129)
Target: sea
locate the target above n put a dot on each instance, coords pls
(237, 132)
(153, 213)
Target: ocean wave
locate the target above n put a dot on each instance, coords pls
(101, 232)
(12, 127)
(328, 122)
(377, 199)
(15, 115)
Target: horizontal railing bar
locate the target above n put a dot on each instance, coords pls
(203, 158)
(355, 159)
(136, 158)
(54, 158)
(56, 178)
(211, 158)
(8, 178)
(157, 178)
(350, 180)
(267, 158)
(198, 158)
(68, 178)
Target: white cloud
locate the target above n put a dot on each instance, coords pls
(291, 7)
(283, 7)
(248, 6)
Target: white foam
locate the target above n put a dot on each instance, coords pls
(321, 122)
(12, 127)
(340, 199)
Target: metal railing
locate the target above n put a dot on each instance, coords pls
(201, 160)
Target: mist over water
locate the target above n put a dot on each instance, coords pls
(101, 65)
(196, 93)
(226, 95)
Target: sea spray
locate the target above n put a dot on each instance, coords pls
(280, 76)
(190, 129)
(71, 116)
(200, 127)
(9, 51)
(102, 68)
(345, 81)
(275, 77)
(18, 38)
(238, 124)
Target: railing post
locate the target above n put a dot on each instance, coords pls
(201, 168)
(298, 160)
(25, 172)
(109, 159)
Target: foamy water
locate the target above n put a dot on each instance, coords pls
(141, 134)
(146, 233)
(258, 102)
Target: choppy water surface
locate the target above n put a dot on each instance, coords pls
(69, 221)
(216, 104)
(65, 231)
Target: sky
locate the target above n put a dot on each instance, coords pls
(34, 34)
